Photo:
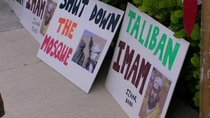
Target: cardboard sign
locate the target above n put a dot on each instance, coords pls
(36, 16)
(78, 38)
(145, 66)
(17, 6)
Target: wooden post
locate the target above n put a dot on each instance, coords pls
(1, 107)
(205, 61)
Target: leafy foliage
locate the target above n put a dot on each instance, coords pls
(170, 13)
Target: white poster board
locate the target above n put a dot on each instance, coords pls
(78, 38)
(145, 66)
(17, 6)
(36, 16)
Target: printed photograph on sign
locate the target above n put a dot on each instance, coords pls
(88, 51)
(156, 94)
(49, 10)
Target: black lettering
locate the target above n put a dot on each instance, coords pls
(62, 5)
(70, 2)
(37, 7)
(85, 2)
(73, 6)
(99, 16)
(76, 8)
(33, 5)
(113, 22)
(28, 5)
(104, 21)
(94, 12)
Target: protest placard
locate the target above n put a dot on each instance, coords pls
(78, 38)
(17, 6)
(36, 16)
(145, 66)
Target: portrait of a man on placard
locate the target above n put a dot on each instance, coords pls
(155, 96)
(49, 11)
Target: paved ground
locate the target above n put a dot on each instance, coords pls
(31, 89)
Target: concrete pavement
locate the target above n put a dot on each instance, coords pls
(32, 89)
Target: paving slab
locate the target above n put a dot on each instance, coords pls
(30, 88)
(17, 49)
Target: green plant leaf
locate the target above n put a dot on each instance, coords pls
(195, 60)
(137, 2)
(174, 19)
(162, 4)
(196, 99)
(195, 35)
(180, 34)
(196, 74)
(178, 13)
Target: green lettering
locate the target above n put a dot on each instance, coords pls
(142, 31)
(136, 27)
(132, 15)
(160, 47)
(148, 36)
(170, 54)
(153, 40)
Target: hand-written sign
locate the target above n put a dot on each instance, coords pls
(145, 66)
(17, 6)
(75, 7)
(78, 38)
(56, 49)
(36, 6)
(162, 45)
(133, 67)
(100, 18)
(36, 16)
(66, 26)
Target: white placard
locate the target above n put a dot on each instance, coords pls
(36, 16)
(17, 6)
(78, 38)
(145, 66)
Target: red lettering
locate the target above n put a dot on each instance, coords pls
(143, 73)
(50, 46)
(127, 61)
(63, 54)
(60, 45)
(67, 26)
(74, 25)
(116, 65)
(57, 50)
(135, 70)
(55, 47)
(61, 21)
(45, 42)
(67, 56)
